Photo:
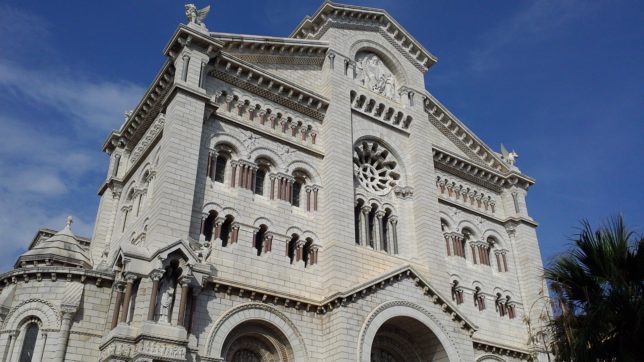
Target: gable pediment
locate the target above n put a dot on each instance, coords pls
(363, 18)
(338, 300)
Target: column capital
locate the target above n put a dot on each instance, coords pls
(393, 220)
(380, 214)
(366, 209)
(156, 274)
(186, 281)
(130, 277)
(120, 286)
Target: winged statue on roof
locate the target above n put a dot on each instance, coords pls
(196, 16)
(509, 157)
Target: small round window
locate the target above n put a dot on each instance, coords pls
(374, 167)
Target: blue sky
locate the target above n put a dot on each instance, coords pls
(560, 81)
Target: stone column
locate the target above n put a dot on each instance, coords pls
(308, 198)
(272, 177)
(233, 166)
(117, 303)
(315, 198)
(64, 335)
(156, 276)
(394, 234)
(447, 242)
(217, 233)
(380, 238)
(185, 289)
(129, 278)
(234, 233)
(11, 342)
(209, 166)
(366, 209)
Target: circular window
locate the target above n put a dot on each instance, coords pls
(374, 167)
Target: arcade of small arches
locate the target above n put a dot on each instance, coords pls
(479, 251)
(376, 226)
(225, 229)
(503, 305)
(295, 188)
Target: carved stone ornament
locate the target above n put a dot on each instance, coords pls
(196, 16)
(374, 75)
(375, 167)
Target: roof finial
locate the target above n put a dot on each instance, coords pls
(69, 222)
(196, 16)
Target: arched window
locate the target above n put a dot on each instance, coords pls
(28, 349)
(220, 168)
(459, 243)
(291, 248)
(457, 292)
(300, 179)
(260, 177)
(263, 167)
(209, 225)
(260, 235)
(307, 253)
(226, 230)
(357, 215)
(297, 190)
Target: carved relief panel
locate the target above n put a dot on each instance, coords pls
(373, 74)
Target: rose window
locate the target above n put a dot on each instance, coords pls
(374, 167)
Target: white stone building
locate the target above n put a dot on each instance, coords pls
(289, 199)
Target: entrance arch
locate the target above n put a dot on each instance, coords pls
(400, 331)
(255, 332)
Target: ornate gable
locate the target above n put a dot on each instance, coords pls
(364, 18)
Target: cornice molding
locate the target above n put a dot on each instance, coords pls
(364, 18)
(342, 299)
(255, 80)
(499, 349)
(477, 173)
(273, 50)
(461, 136)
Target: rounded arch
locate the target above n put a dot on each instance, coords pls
(499, 241)
(490, 358)
(305, 167)
(263, 221)
(145, 172)
(450, 222)
(465, 225)
(33, 308)
(392, 309)
(267, 153)
(215, 345)
(309, 235)
(294, 230)
(220, 140)
(387, 57)
(211, 206)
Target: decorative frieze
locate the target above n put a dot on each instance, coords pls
(148, 138)
(270, 87)
(359, 18)
(465, 194)
(272, 120)
(379, 109)
(269, 51)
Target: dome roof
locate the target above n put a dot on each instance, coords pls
(63, 248)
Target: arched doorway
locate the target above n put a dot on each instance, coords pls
(256, 341)
(405, 339)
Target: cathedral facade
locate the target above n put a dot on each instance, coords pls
(289, 199)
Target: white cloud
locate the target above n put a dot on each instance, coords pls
(99, 104)
(532, 24)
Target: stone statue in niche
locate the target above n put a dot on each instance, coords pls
(165, 300)
(374, 75)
